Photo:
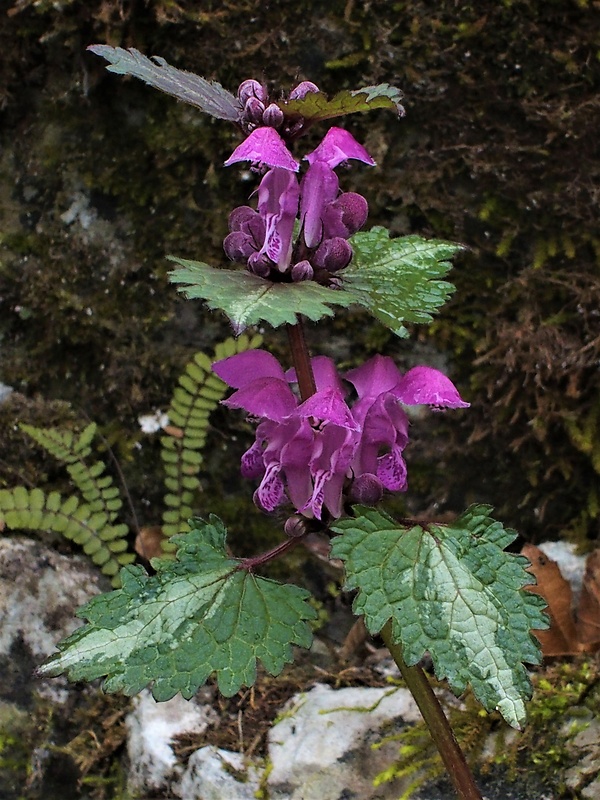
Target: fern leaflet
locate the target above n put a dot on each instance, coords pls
(198, 393)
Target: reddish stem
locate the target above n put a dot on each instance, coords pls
(301, 359)
(250, 564)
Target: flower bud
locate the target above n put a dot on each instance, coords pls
(295, 526)
(253, 110)
(353, 210)
(302, 271)
(240, 216)
(251, 88)
(273, 116)
(259, 264)
(303, 89)
(333, 254)
(239, 246)
(367, 489)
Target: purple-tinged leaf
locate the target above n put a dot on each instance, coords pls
(315, 106)
(208, 96)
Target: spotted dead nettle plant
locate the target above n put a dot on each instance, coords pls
(328, 445)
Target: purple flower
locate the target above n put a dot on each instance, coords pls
(305, 448)
(278, 196)
(318, 452)
(263, 239)
(337, 146)
(264, 146)
(379, 386)
(324, 213)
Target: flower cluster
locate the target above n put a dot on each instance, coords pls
(318, 452)
(257, 110)
(262, 239)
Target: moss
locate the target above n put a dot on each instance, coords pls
(502, 103)
(566, 697)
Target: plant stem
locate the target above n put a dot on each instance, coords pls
(301, 359)
(249, 564)
(436, 721)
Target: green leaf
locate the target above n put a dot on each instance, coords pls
(315, 106)
(450, 590)
(398, 280)
(248, 299)
(208, 96)
(198, 615)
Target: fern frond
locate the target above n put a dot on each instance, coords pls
(66, 446)
(97, 489)
(24, 509)
(198, 393)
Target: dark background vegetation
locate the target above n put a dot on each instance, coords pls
(101, 176)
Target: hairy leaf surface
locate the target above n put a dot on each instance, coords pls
(316, 106)
(450, 590)
(248, 299)
(208, 96)
(200, 614)
(399, 280)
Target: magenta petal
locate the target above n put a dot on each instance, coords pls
(265, 397)
(243, 368)
(391, 471)
(295, 458)
(319, 187)
(378, 374)
(252, 464)
(328, 405)
(271, 491)
(337, 146)
(425, 385)
(264, 146)
(325, 372)
(278, 196)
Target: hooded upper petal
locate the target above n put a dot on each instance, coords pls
(325, 373)
(243, 368)
(328, 405)
(425, 385)
(339, 145)
(378, 374)
(264, 146)
(269, 398)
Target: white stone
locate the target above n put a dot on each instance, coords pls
(151, 729)
(215, 774)
(323, 742)
(40, 591)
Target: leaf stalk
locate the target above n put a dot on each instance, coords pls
(435, 719)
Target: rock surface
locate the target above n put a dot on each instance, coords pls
(323, 743)
(151, 728)
(40, 591)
